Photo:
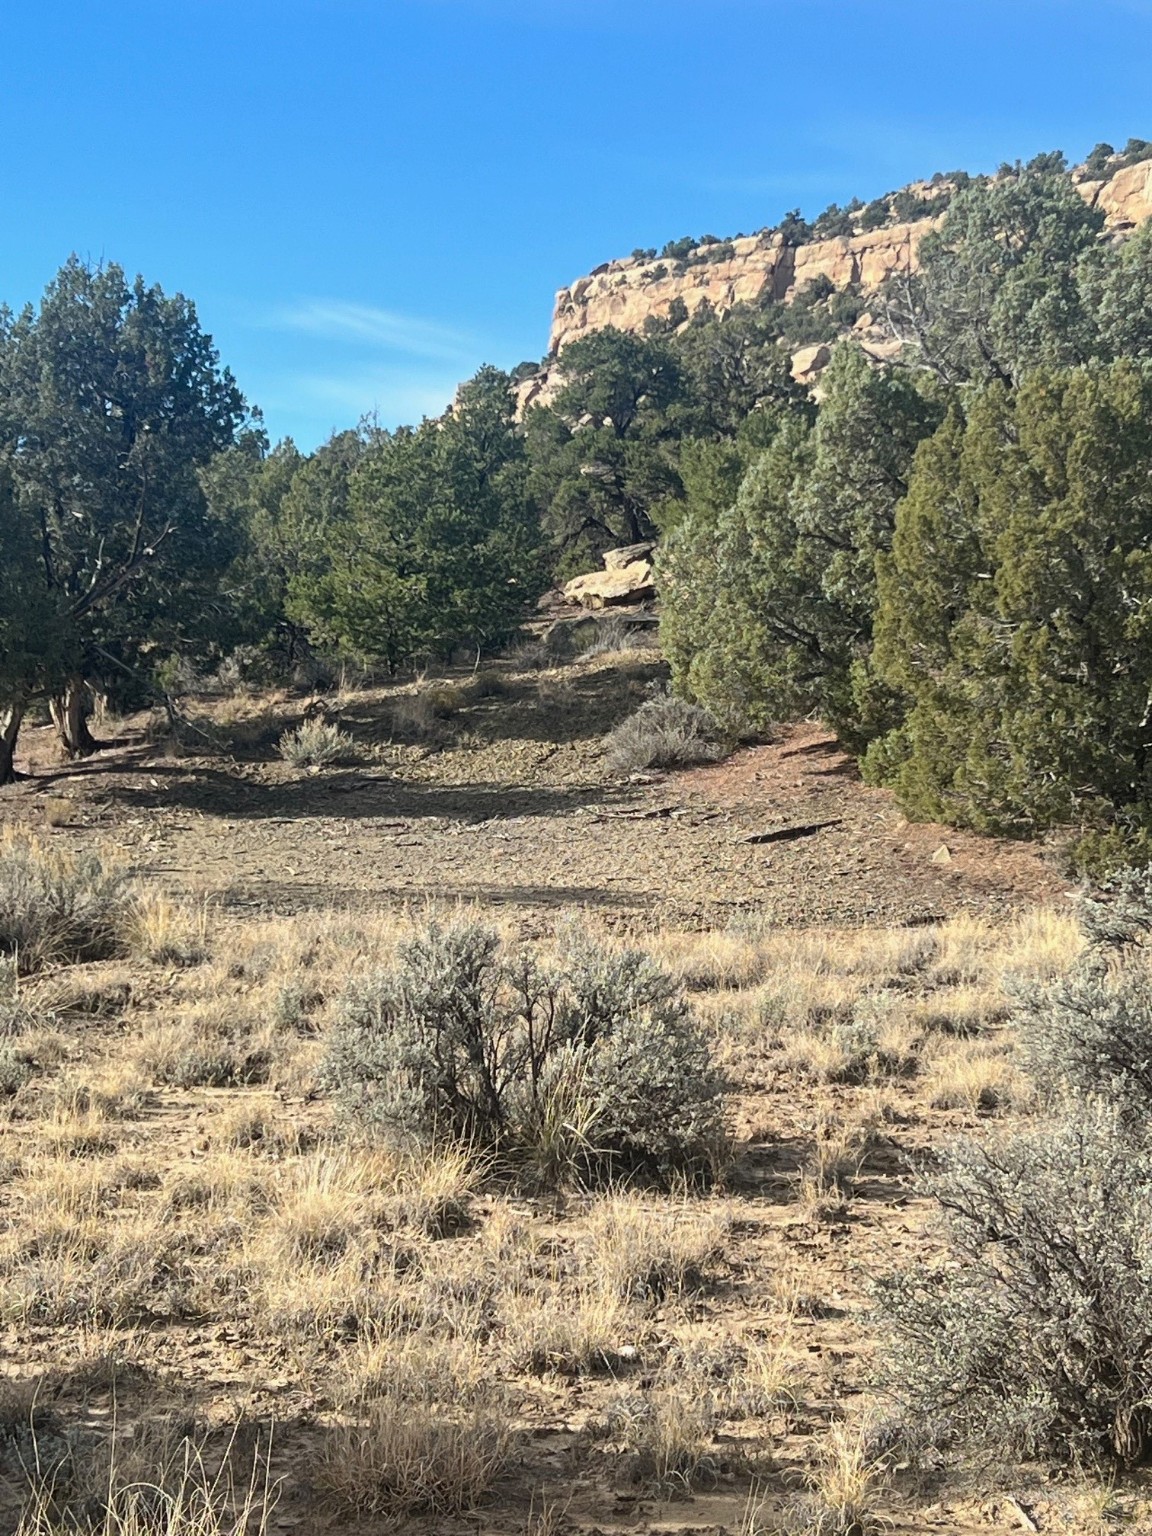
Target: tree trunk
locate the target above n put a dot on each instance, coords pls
(69, 716)
(11, 717)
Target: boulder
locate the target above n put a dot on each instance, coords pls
(617, 559)
(632, 583)
(809, 361)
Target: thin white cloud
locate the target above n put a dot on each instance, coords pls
(337, 320)
(396, 398)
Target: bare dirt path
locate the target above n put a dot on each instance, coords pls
(511, 804)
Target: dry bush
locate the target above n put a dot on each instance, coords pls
(156, 1482)
(403, 1457)
(832, 1165)
(464, 1043)
(845, 1485)
(215, 1043)
(975, 1078)
(665, 1439)
(1031, 1334)
(652, 1252)
(613, 635)
(316, 744)
(57, 906)
(665, 732)
(579, 1329)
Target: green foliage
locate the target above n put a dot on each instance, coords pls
(1116, 282)
(462, 1042)
(116, 400)
(1031, 1337)
(602, 454)
(996, 293)
(438, 545)
(769, 595)
(678, 250)
(819, 312)
(733, 373)
(1014, 608)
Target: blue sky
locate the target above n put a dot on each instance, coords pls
(369, 198)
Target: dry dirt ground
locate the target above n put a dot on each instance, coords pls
(508, 802)
(172, 1250)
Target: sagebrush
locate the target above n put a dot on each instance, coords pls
(466, 1041)
(1034, 1335)
(665, 732)
(58, 906)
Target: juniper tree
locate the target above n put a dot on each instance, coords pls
(1015, 608)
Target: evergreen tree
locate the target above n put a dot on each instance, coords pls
(997, 291)
(117, 401)
(603, 453)
(441, 543)
(1117, 285)
(778, 619)
(1016, 609)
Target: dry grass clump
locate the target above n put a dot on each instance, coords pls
(974, 1077)
(665, 732)
(572, 1330)
(400, 1458)
(165, 931)
(845, 1485)
(58, 906)
(654, 1252)
(827, 1177)
(156, 1482)
(215, 1043)
(316, 744)
(85, 1269)
(664, 1439)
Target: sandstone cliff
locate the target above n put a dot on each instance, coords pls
(625, 293)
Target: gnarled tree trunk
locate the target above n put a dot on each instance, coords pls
(70, 717)
(11, 717)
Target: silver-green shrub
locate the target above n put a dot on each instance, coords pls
(56, 906)
(1033, 1336)
(1088, 1035)
(464, 1041)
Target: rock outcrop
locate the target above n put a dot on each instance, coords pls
(1126, 199)
(628, 292)
(625, 293)
(623, 580)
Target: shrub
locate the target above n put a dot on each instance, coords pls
(1032, 1335)
(315, 743)
(1089, 1033)
(665, 732)
(595, 1064)
(56, 906)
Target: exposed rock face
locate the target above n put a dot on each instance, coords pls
(625, 293)
(1126, 199)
